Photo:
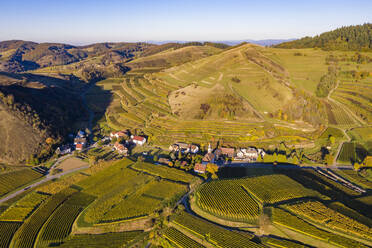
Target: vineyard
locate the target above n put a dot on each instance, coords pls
(282, 218)
(12, 180)
(7, 230)
(215, 235)
(164, 172)
(27, 233)
(59, 224)
(227, 199)
(124, 193)
(275, 188)
(319, 213)
(24, 207)
(179, 239)
(281, 243)
(347, 154)
(107, 240)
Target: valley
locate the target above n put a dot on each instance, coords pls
(197, 144)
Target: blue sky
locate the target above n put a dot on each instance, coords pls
(87, 21)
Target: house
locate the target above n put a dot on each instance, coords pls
(200, 168)
(80, 140)
(251, 154)
(79, 147)
(183, 163)
(209, 158)
(121, 148)
(194, 149)
(62, 150)
(174, 148)
(120, 134)
(138, 140)
(80, 134)
(224, 152)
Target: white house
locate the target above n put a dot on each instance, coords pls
(138, 140)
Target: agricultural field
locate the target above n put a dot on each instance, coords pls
(20, 210)
(7, 230)
(109, 240)
(228, 199)
(347, 154)
(27, 233)
(362, 136)
(215, 235)
(12, 180)
(287, 220)
(59, 224)
(164, 172)
(179, 239)
(124, 193)
(319, 213)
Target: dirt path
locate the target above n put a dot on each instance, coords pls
(220, 77)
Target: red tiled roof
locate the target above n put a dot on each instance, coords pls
(200, 167)
(80, 146)
(139, 138)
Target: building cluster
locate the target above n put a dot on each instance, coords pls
(128, 140)
(249, 154)
(80, 141)
(184, 148)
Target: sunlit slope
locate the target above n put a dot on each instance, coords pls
(241, 71)
(173, 57)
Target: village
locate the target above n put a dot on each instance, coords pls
(187, 156)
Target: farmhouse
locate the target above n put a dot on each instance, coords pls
(62, 150)
(79, 146)
(120, 134)
(251, 154)
(224, 151)
(121, 148)
(184, 148)
(81, 134)
(194, 149)
(138, 140)
(200, 168)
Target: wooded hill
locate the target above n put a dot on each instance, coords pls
(357, 37)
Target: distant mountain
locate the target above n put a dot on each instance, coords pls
(268, 42)
(357, 37)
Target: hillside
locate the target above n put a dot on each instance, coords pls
(173, 57)
(357, 37)
(35, 112)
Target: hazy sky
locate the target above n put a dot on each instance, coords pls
(86, 21)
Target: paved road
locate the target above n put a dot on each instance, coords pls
(47, 178)
(284, 166)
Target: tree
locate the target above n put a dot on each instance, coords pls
(332, 139)
(49, 141)
(212, 168)
(328, 159)
(155, 158)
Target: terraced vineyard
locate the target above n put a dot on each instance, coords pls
(109, 240)
(282, 218)
(338, 116)
(319, 213)
(164, 172)
(356, 96)
(228, 199)
(275, 188)
(179, 239)
(214, 234)
(10, 181)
